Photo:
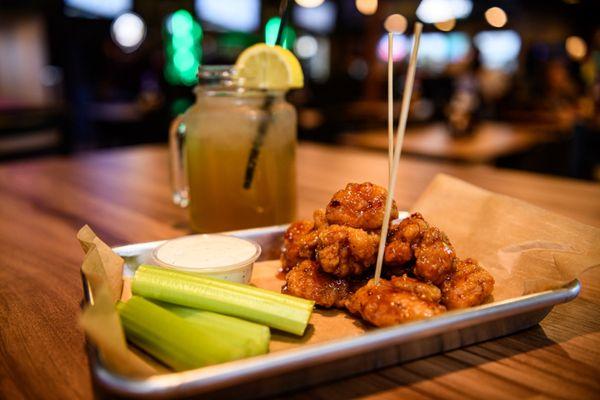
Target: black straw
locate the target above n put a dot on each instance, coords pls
(258, 141)
(284, 15)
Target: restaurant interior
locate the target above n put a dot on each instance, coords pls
(310, 199)
(505, 83)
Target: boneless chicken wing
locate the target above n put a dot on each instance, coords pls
(345, 251)
(397, 254)
(469, 285)
(299, 243)
(422, 290)
(308, 281)
(414, 240)
(410, 229)
(359, 205)
(434, 256)
(401, 239)
(387, 303)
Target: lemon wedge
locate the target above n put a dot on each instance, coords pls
(269, 67)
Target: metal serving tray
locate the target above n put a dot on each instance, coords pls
(307, 365)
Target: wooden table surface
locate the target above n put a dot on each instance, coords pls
(490, 141)
(124, 196)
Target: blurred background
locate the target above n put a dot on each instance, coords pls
(507, 83)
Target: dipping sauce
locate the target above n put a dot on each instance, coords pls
(220, 256)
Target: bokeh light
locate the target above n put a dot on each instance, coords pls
(496, 17)
(99, 8)
(184, 60)
(183, 51)
(434, 50)
(231, 15)
(306, 46)
(128, 31)
(180, 23)
(576, 47)
(431, 11)
(319, 19)
(271, 30)
(399, 48)
(395, 23)
(459, 45)
(366, 7)
(446, 26)
(309, 3)
(499, 49)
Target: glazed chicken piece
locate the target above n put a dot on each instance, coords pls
(359, 205)
(396, 301)
(344, 251)
(414, 240)
(306, 280)
(422, 290)
(320, 218)
(402, 237)
(410, 229)
(434, 256)
(469, 285)
(397, 254)
(299, 243)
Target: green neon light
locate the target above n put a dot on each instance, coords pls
(271, 29)
(182, 48)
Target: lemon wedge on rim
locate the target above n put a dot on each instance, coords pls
(269, 67)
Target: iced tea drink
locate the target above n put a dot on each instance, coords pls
(212, 143)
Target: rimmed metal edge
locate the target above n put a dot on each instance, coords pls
(218, 377)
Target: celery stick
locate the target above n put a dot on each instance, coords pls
(252, 337)
(240, 288)
(224, 297)
(171, 339)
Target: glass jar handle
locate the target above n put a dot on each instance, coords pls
(179, 180)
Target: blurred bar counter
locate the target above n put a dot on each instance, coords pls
(544, 147)
(489, 142)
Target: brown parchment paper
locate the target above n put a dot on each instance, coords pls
(525, 248)
(104, 271)
(101, 265)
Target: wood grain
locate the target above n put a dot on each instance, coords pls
(124, 196)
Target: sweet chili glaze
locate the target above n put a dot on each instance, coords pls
(359, 205)
(401, 299)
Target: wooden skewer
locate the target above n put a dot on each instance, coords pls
(390, 105)
(406, 95)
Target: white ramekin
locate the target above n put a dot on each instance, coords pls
(238, 270)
